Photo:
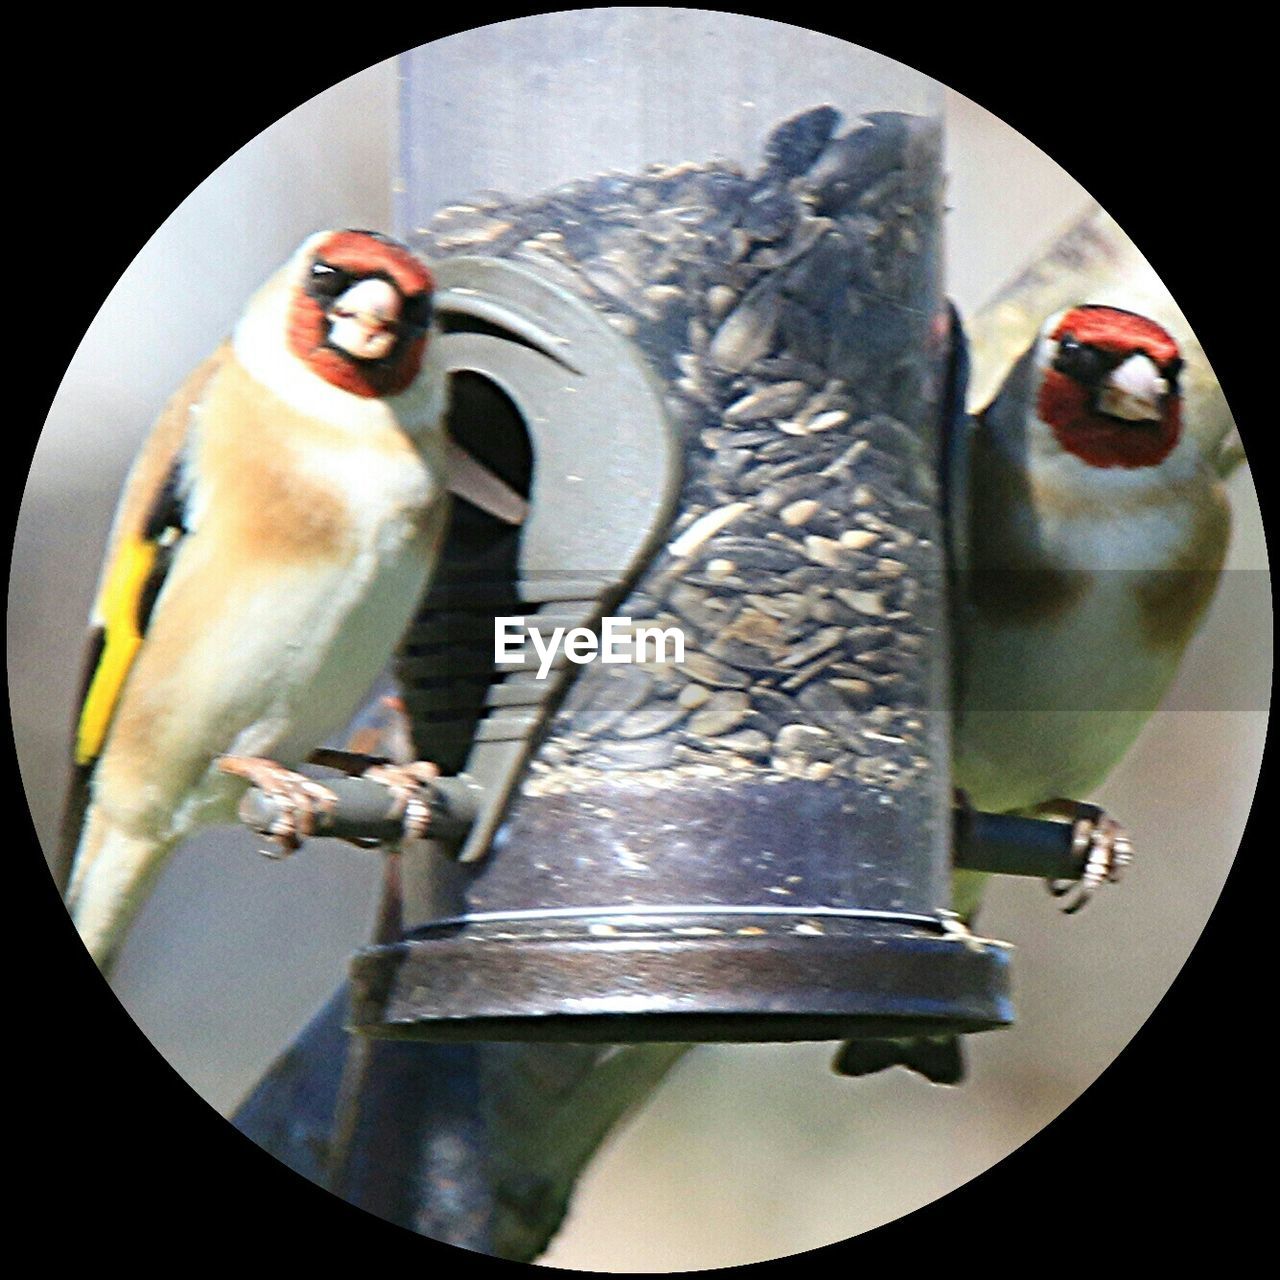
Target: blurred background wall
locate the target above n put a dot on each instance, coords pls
(747, 1152)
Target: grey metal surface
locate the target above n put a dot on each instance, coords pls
(695, 976)
(605, 459)
(599, 495)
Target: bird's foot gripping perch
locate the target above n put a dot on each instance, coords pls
(410, 786)
(1100, 842)
(297, 803)
(378, 802)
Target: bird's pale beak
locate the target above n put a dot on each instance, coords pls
(1134, 391)
(364, 320)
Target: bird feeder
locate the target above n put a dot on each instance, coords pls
(703, 329)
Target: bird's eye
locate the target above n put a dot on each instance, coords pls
(1173, 370)
(417, 312)
(327, 281)
(1084, 363)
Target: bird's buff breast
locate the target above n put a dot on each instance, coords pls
(305, 565)
(350, 614)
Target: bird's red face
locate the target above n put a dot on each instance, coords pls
(1110, 394)
(359, 317)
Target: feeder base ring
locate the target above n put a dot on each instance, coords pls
(618, 979)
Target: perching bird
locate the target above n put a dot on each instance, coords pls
(1097, 529)
(273, 539)
(1094, 530)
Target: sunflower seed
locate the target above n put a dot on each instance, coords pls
(698, 532)
(747, 333)
(706, 670)
(720, 713)
(868, 602)
(768, 402)
(656, 717)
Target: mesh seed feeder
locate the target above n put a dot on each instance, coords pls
(693, 309)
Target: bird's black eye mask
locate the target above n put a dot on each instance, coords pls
(417, 313)
(1088, 365)
(327, 283)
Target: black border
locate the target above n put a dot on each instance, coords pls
(118, 120)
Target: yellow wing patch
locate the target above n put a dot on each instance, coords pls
(118, 611)
(147, 526)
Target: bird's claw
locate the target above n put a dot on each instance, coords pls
(299, 800)
(1106, 849)
(410, 784)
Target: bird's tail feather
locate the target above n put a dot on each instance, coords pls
(940, 1059)
(111, 877)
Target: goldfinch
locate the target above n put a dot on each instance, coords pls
(272, 542)
(1095, 530)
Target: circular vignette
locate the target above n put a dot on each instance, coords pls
(1049, 949)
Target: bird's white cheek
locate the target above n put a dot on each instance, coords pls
(354, 336)
(362, 320)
